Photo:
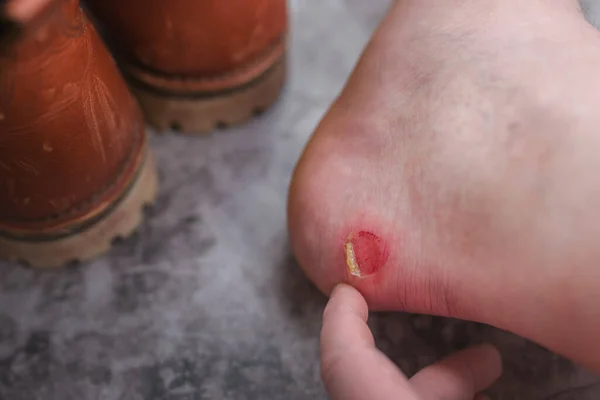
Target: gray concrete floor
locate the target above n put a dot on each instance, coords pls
(206, 301)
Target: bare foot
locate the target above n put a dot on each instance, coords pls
(459, 167)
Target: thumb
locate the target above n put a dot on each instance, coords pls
(351, 367)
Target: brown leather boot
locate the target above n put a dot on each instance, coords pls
(197, 64)
(75, 168)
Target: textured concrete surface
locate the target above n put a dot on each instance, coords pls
(206, 301)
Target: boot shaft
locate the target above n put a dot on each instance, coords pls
(71, 135)
(191, 37)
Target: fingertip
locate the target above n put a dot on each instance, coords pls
(344, 319)
(461, 375)
(485, 363)
(346, 298)
(337, 289)
(342, 289)
(490, 353)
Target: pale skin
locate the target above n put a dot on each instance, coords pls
(467, 137)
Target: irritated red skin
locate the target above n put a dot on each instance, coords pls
(370, 251)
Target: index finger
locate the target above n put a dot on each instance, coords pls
(351, 366)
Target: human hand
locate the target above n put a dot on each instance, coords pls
(353, 368)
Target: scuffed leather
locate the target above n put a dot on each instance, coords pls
(70, 132)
